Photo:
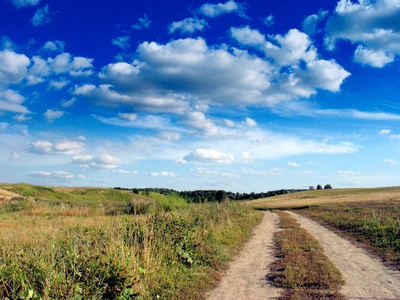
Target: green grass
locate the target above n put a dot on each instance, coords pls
(178, 254)
(303, 270)
(375, 224)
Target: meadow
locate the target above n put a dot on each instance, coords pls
(96, 243)
(64, 243)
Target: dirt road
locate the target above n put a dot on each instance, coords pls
(245, 278)
(366, 277)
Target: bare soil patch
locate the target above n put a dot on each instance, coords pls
(246, 276)
(366, 277)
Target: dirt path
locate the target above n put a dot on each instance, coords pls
(245, 278)
(366, 278)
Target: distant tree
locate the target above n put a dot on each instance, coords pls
(312, 187)
(327, 187)
(319, 187)
(135, 191)
(220, 196)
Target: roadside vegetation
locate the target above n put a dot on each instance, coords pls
(302, 268)
(100, 244)
(376, 224)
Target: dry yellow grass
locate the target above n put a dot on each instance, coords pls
(319, 197)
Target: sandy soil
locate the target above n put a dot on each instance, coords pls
(245, 278)
(366, 277)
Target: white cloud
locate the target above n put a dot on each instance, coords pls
(247, 36)
(11, 101)
(391, 161)
(213, 10)
(65, 147)
(128, 116)
(14, 156)
(250, 122)
(293, 164)
(170, 136)
(41, 16)
(55, 175)
(58, 84)
(52, 114)
(68, 103)
(373, 26)
(384, 131)
(121, 41)
(200, 172)
(75, 66)
(57, 46)
(102, 161)
(208, 157)
(21, 118)
(394, 136)
(199, 121)
(377, 59)
(163, 173)
(143, 22)
(252, 172)
(345, 174)
(13, 67)
(23, 3)
(269, 21)
(125, 172)
(310, 23)
(188, 25)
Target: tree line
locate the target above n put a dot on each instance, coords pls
(201, 196)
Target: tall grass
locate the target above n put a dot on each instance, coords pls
(162, 255)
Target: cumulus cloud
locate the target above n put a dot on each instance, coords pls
(102, 161)
(66, 63)
(373, 26)
(55, 175)
(391, 161)
(41, 16)
(58, 84)
(377, 59)
(13, 67)
(121, 41)
(293, 164)
(208, 157)
(65, 147)
(213, 10)
(269, 21)
(143, 22)
(198, 120)
(56, 46)
(250, 122)
(384, 131)
(52, 114)
(247, 36)
(188, 25)
(310, 23)
(21, 118)
(11, 101)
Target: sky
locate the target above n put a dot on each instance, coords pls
(244, 96)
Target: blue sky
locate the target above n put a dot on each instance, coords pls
(235, 95)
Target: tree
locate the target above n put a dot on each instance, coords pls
(311, 187)
(220, 196)
(327, 187)
(319, 187)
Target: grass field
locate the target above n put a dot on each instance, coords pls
(66, 247)
(95, 243)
